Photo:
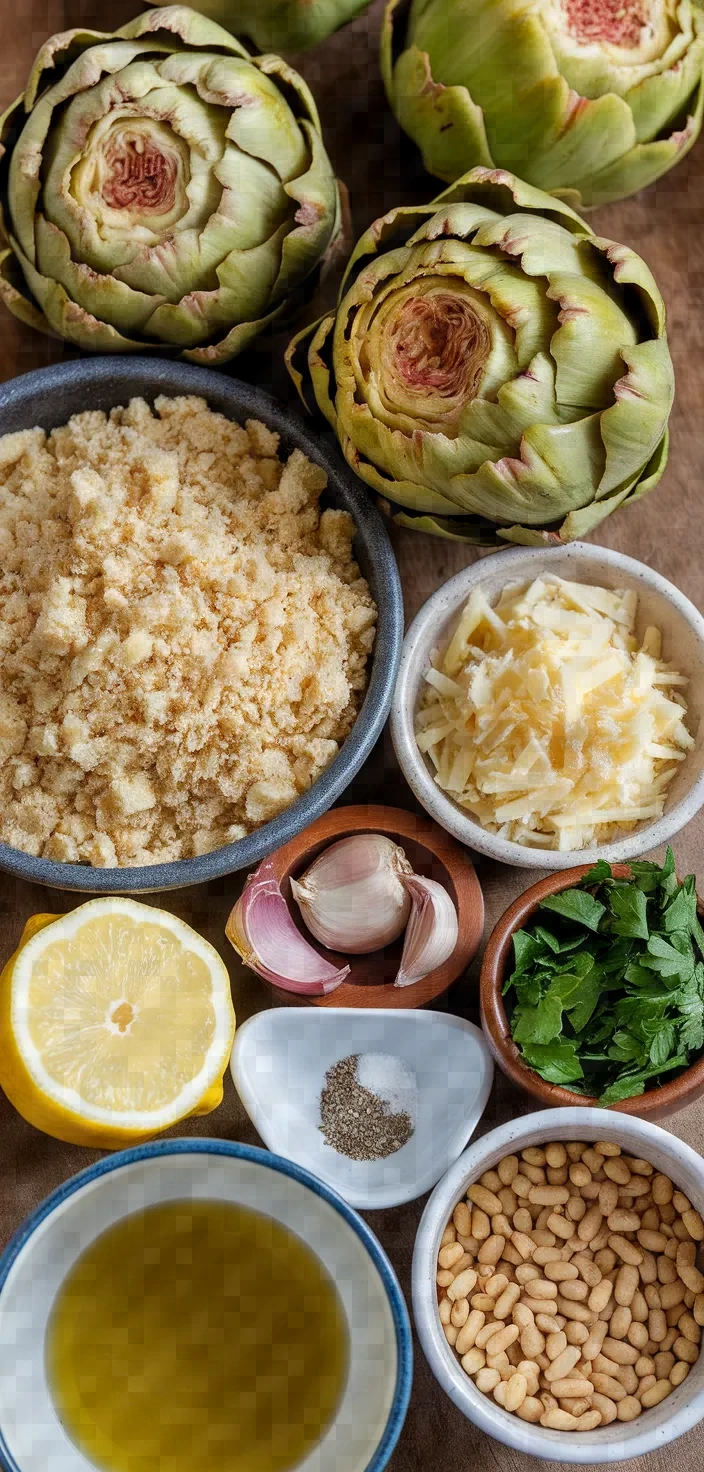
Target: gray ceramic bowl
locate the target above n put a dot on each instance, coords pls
(48, 398)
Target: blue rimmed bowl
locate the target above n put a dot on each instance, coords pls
(48, 398)
(373, 1406)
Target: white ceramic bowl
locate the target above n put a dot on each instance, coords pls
(279, 1062)
(374, 1402)
(659, 603)
(682, 1409)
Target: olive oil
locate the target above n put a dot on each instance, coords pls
(197, 1336)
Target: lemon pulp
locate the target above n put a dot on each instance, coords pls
(197, 1335)
(116, 1021)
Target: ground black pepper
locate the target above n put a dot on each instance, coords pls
(355, 1121)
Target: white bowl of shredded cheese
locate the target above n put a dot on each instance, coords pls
(550, 704)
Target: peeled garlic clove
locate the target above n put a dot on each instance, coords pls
(262, 932)
(352, 897)
(432, 931)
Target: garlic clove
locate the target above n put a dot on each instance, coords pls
(432, 930)
(352, 897)
(262, 932)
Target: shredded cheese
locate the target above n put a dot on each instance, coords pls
(548, 721)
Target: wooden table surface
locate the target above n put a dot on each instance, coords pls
(666, 224)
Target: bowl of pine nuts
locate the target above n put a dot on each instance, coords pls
(558, 1285)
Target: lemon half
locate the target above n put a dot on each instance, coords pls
(116, 1021)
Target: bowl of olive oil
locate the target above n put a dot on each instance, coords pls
(192, 1305)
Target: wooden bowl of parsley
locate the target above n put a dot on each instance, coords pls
(592, 989)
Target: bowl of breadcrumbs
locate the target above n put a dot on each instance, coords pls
(200, 625)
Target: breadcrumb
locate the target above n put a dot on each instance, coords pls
(184, 634)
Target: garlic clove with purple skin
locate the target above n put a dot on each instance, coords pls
(431, 935)
(353, 897)
(262, 932)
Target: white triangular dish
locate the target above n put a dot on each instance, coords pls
(279, 1062)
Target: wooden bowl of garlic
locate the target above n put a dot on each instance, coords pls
(412, 928)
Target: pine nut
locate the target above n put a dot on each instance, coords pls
(689, 1327)
(694, 1224)
(597, 1335)
(620, 1322)
(481, 1225)
(547, 1323)
(474, 1360)
(531, 1410)
(501, 1340)
(542, 1306)
(540, 1288)
(559, 1420)
(459, 1313)
(523, 1244)
(590, 1225)
(495, 1285)
(507, 1169)
(644, 1366)
(516, 1392)
(561, 1272)
(624, 1221)
(576, 1333)
(532, 1341)
(667, 1276)
(623, 1354)
(679, 1373)
(483, 1302)
(607, 1385)
(656, 1393)
(600, 1295)
(608, 1197)
(638, 1336)
(606, 1408)
(487, 1380)
(561, 1226)
(483, 1335)
(626, 1283)
(631, 1254)
(555, 1344)
(572, 1388)
(575, 1311)
(461, 1218)
(564, 1363)
(629, 1408)
(576, 1292)
(639, 1307)
(652, 1241)
(664, 1363)
(556, 1155)
(507, 1300)
(462, 1285)
(500, 1225)
(680, 1201)
(484, 1199)
(468, 1333)
(491, 1250)
(690, 1275)
(450, 1254)
(617, 1170)
(685, 1350)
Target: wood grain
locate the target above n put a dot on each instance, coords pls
(666, 224)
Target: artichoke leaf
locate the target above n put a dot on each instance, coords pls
(470, 530)
(283, 25)
(58, 52)
(657, 102)
(645, 163)
(101, 296)
(316, 195)
(70, 320)
(588, 344)
(555, 135)
(540, 246)
(444, 121)
(15, 299)
(309, 343)
(173, 24)
(629, 269)
(213, 355)
(504, 195)
(246, 280)
(634, 425)
(559, 468)
(404, 492)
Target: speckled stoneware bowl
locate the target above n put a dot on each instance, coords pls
(659, 603)
(48, 398)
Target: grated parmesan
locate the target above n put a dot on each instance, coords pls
(548, 721)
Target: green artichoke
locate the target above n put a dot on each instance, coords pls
(495, 366)
(283, 25)
(162, 189)
(591, 99)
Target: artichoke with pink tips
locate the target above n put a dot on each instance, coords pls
(494, 370)
(591, 99)
(162, 189)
